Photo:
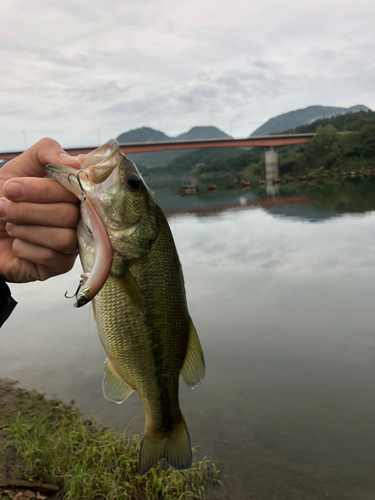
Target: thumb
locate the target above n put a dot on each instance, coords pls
(31, 163)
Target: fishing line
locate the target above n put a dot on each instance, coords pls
(85, 355)
(121, 438)
(123, 432)
(86, 350)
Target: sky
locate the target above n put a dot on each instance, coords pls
(83, 72)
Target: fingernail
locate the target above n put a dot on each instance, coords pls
(15, 190)
(8, 227)
(64, 157)
(3, 208)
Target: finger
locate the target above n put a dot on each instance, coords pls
(37, 214)
(63, 240)
(48, 262)
(2, 214)
(34, 189)
(31, 163)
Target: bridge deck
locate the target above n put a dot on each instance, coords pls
(142, 147)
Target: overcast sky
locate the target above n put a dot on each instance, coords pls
(79, 70)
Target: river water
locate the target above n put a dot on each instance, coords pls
(282, 296)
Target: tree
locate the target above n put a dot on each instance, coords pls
(324, 149)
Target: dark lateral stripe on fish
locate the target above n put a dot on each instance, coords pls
(167, 420)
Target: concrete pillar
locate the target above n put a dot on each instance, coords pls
(272, 164)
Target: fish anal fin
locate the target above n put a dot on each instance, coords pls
(173, 446)
(193, 369)
(114, 387)
(129, 284)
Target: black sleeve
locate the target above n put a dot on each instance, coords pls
(7, 303)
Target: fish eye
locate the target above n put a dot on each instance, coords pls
(133, 181)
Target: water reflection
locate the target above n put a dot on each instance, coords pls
(284, 310)
(272, 189)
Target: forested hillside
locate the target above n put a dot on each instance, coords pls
(343, 123)
(302, 117)
(341, 142)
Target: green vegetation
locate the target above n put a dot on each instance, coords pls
(198, 161)
(58, 446)
(343, 123)
(331, 149)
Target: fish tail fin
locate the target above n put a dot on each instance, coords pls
(173, 446)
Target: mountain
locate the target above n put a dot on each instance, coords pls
(203, 133)
(153, 158)
(330, 150)
(143, 134)
(286, 121)
(304, 116)
(161, 158)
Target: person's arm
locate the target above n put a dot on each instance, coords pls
(7, 303)
(38, 219)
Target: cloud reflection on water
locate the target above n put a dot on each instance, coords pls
(284, 310)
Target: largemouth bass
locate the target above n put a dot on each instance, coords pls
(134, 278)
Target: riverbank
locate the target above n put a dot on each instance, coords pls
(48, 442)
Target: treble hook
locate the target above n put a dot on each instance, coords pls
(83, 192)
(79, 286)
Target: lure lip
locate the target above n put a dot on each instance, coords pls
(84, 296)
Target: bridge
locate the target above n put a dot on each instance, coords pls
(270, 142)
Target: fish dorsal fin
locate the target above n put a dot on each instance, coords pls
(128, 283)
(193, 369)
(114, 387)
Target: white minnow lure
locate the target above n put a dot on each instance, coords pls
(94, 281)
(91, 283)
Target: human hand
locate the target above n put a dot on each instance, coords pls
(38, 216)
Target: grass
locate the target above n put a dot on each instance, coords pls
(58, 446)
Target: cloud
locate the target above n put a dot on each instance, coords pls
(128, 64)
(102, 92)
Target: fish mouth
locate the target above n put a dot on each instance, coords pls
(76, 182)
(103, 155)
(95, 175)
(97, 166)
(100, 163)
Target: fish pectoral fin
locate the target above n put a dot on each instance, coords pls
(114, 387)
(193, 369)
(129, 284)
